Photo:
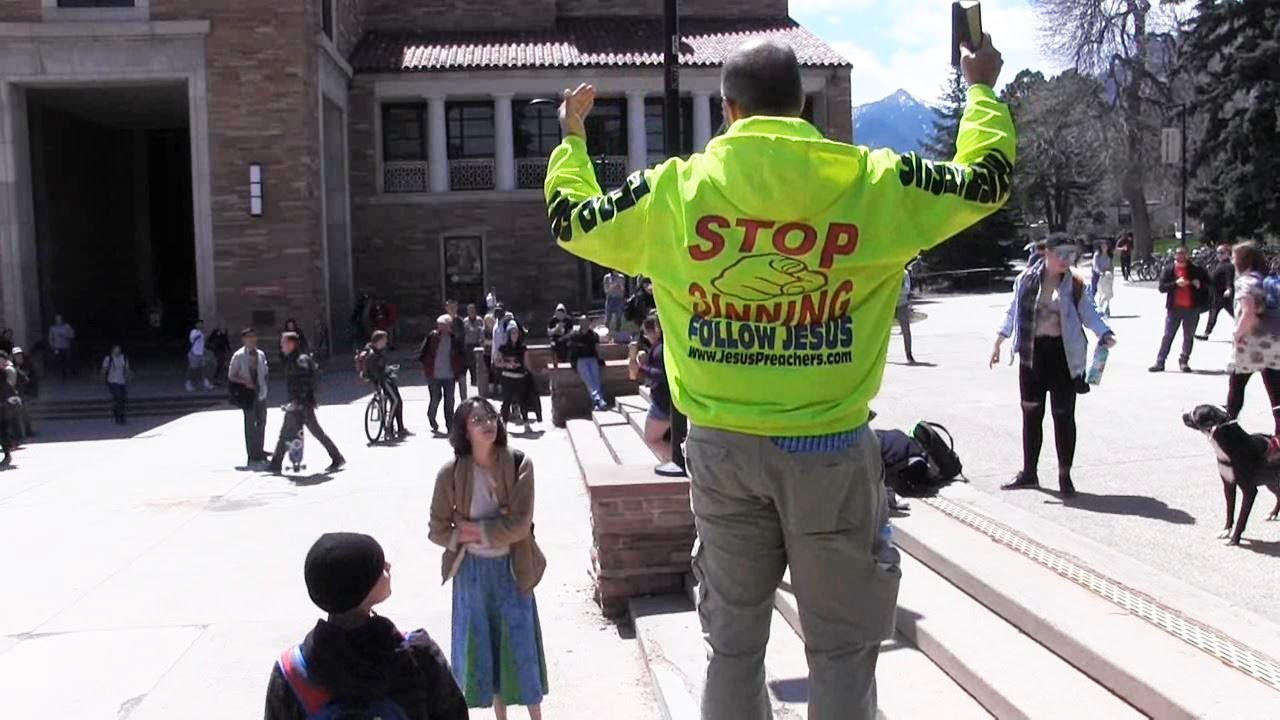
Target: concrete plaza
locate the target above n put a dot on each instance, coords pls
(148, 578)
(1149, 487)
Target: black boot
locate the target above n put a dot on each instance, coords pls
(1022, 481)
(1066, 488)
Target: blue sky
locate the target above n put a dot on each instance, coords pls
(906, 43)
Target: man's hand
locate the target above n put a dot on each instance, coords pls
(981, 66)
(1109, 340)
(995, 353)
(575, 108)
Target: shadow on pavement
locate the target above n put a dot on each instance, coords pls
(56, 431)
(309, 480)
(791, 690)
(914, 364)
(1212, 373)
(1134, 505)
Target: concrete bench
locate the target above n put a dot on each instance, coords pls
(569, 396)
(541, 359)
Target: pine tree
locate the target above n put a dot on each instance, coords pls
(1233, 51)
(981, 245)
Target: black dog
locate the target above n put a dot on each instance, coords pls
(1242, 462)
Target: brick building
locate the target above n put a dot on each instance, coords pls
(250, 161)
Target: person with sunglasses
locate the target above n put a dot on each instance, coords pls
(482, 514)
(1046, 320)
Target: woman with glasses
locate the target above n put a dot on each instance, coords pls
(482, 514)
(1046, 319)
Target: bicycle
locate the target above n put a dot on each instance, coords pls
(378, 414)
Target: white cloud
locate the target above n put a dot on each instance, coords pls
(906, 43)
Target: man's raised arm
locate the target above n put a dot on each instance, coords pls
(615, 229)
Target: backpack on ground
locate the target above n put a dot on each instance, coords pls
(318, 703)
(362, 363)
(940, 450)
(906, 465)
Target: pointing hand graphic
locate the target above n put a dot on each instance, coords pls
(766, 277)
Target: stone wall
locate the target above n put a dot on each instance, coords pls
(397, 249)
(839, 106)
(642, 534)
(460, 14)
(349, 19)
(19, 10)
(688, 8)
(263, 108)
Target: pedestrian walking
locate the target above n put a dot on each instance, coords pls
(652, 366)
(1103, 280)
(1222, 284)
(28, 390)
(1047, 317)
(903, 313)
(517, 382)
(482, 515)
(459, 339)
(117, 373)
(473, 337)
(581, 345)
(1187, 289)
(219, 346)
(1124, 248)
(379, 374)
(62, 338)
(248, 375)
(442, 363)
(291, 325)
(300, 377)
(615, 300)
(9, 402)
(758, 241)
(1257, 335)
(355, 662)
(195, 357)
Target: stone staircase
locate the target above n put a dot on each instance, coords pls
(991, 621)
(162, 406)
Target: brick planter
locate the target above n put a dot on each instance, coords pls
(642, 534)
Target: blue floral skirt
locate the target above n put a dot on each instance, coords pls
(497, 639)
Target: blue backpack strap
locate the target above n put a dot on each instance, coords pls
(293, 666)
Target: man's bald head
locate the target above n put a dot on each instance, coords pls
(762, 77)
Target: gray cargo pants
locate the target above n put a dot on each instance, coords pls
(759, 509)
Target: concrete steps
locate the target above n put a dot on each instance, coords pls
(137, 407)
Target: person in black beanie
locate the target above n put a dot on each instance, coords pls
(357, 661)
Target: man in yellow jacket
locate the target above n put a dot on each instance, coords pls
(776, 257)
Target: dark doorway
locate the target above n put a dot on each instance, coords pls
(111, 179)
(464, 269)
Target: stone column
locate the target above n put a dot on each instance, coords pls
(504, 150)
(701, 120)
(437, 145)
(637, 141)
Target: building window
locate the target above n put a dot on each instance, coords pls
(607, 128)
(95, 3)
(718, 122)
(536, 133)
(470, 128)
(404, 132)
(404, 148)
(326, 17)
(655, 129)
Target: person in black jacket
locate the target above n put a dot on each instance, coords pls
(356, 661)
(300, 377)
(1187, 289)
(558, 329)
(376, 369)
(1224, 289)
(585, 358)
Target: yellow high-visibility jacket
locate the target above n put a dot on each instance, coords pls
(777, 257)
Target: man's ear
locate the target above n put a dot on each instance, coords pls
(732, 113)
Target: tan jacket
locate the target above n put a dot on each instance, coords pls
(451, 503)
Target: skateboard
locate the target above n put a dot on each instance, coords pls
(296, 447)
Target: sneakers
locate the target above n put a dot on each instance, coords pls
(404, 433)
(190, 387)
(336, 465)
(1184, 367)
(1202, 337)
(1022, 481)
(1158, 367)
(208, 385)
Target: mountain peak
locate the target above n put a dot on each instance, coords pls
(899, 121)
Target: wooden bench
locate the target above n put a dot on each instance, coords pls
(542, 365)
(569, 396)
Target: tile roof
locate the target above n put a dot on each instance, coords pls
(581, 43)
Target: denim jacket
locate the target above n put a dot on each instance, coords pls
(1077, 314)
